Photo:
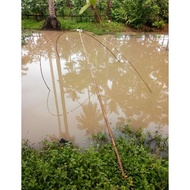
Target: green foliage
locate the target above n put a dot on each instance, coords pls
(159, 24)
(38, 8)
(92, 4)
(61, 6)
(86, 16)
(118, 11)
(31, 24)
(57, 166)
(84, 8)
(163, 11)
(135, 13)
(103, 28)
(153, 142)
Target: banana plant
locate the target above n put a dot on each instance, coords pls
(92, 4)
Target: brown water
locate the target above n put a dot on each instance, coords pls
(59, 99)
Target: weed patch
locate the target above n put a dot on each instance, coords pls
(99, 29)
(58, 166)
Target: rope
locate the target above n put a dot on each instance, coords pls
(43, 75)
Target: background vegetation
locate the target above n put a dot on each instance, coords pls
(135, 13)
(103, 28)
(56, 166)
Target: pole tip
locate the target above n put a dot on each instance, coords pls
(79, 30)
(125, 176)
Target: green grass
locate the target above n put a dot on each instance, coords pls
(31, 24)
(103, 28)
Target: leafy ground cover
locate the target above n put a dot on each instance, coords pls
(97, 28)
(65, 166)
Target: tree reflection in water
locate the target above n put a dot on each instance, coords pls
(90, 118)
(124, 94)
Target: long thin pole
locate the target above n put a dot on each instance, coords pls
(103, 111)
(119, 60)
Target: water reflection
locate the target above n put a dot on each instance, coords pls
(58, 94)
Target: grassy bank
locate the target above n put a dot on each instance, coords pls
(99, 29)
(56, 166)
(103, 28)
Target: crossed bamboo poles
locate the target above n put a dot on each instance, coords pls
(99, 96)
(103, 109)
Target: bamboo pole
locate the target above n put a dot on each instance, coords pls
(118, 59)
(103, 110)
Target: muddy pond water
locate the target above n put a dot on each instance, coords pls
(60, 72)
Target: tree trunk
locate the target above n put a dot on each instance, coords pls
(97, 17)
(51, 22)
(108, 10)
(51, 8)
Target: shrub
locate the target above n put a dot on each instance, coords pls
(159, 24)
(57, 166)
(137, 13)
(38, 8)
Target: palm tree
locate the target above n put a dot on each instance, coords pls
(51, 8)
(51, 22)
